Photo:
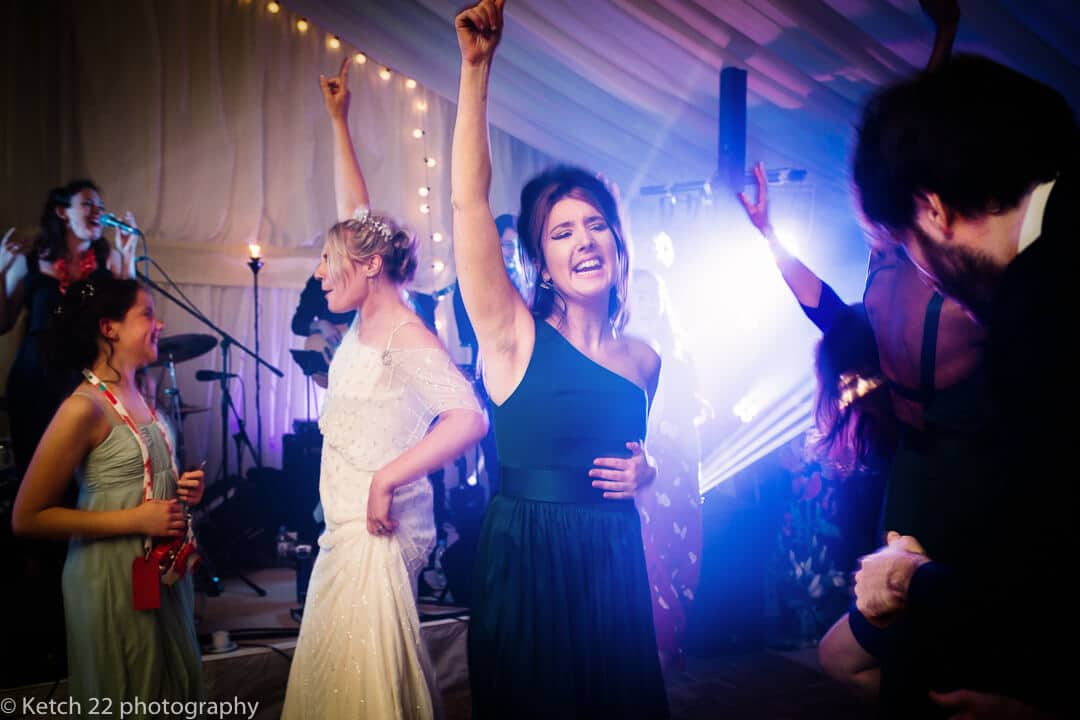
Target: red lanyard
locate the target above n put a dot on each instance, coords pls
(144, 450)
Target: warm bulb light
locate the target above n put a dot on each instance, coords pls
(418, 133)
(410, 83)
(385, 73)
(334, 43)
(359, 58)
(425, 208)
(421, 105)
(254, 250)
(273, 8)
(437, 237)
(430, 161)
(423, 191)
(438, 266)
(302, 25)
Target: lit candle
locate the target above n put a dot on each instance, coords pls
(255, 251)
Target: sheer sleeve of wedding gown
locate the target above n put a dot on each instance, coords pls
(434, 382)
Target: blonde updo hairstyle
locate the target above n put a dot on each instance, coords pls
(365, 235)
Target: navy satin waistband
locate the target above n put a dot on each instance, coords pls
(560, 486)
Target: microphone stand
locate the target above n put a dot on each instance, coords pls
(145, 254)
(226, 404)
(226, 342)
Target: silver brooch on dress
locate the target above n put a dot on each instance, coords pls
(386, 358)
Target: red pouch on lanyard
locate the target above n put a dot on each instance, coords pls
(145, 584)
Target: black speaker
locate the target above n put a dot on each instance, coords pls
(236, 520)
(301, 460)
(731, 160)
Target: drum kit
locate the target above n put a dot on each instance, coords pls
(175, 349)
(171, 350)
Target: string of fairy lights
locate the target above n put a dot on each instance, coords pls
(419, 133)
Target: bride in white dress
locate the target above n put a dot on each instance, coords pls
(359, 653)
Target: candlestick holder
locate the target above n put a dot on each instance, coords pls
(256, 263)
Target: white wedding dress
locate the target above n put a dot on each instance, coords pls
(359, 653)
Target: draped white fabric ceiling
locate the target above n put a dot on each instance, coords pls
(632, 86)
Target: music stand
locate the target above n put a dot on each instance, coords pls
(311, 362)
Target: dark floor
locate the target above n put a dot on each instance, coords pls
(741, 685)
(760, 684)
(747, 684)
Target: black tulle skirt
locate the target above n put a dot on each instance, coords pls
(561, 623)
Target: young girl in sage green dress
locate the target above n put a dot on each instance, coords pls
(130, 498)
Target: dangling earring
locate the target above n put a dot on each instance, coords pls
(546, 283)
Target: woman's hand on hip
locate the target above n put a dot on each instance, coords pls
(620, 478)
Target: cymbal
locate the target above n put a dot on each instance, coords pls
(183, 347)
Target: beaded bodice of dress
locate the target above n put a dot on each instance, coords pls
(379, 403)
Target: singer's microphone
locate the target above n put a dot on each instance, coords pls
(205, 375)
(110, 220)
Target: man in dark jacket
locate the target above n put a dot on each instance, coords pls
(973, 171)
